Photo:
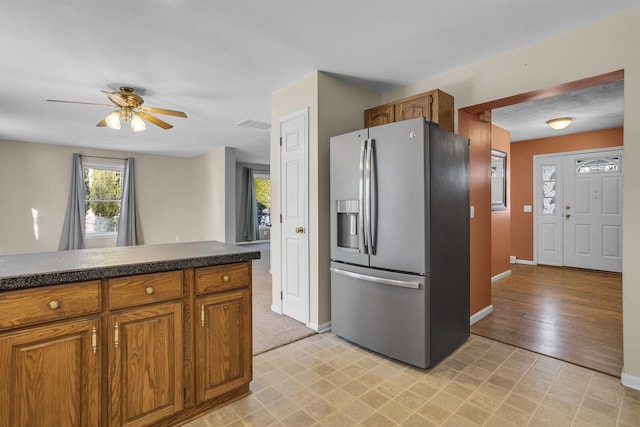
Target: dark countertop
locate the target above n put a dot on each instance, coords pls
(51, 268)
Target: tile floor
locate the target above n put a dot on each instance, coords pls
(325, 381)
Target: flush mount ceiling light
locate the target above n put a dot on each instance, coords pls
(560, 123)
(128, 107)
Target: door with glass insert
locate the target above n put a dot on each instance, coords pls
(592, 211)
(578, 210)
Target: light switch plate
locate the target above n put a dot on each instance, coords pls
(473, 211)
(527, 208)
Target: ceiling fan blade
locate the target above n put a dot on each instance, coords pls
(116, 98)
(164, 111)
(77, 102)
(156, 121)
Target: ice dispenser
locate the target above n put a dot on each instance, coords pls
(347, 211)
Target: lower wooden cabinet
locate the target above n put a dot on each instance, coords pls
(50, 375)
(223, 343)
(126, 351)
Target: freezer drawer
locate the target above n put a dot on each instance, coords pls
(383, 311)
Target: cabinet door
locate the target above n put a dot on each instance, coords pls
(145, 364)
(50, 375)
(380, 115)
(223, 343)
(416, 106)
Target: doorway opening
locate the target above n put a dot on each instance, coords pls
(475, 122)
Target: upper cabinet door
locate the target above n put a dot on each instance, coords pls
(416, 106)
(380, 115)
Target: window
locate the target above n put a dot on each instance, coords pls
(262, 184)
(548, 189)
(609, 164)
(102, 195)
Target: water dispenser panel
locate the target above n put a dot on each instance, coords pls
(347, 211)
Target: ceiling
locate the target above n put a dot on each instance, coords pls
(220, 61)
(593, 108)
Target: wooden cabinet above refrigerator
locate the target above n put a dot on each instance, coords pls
(436, 106)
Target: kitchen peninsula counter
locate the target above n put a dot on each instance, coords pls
(50, 268)
(129, 336)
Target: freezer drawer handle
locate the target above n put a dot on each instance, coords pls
(391, 282)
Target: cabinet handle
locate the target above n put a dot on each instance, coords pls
(225, 278)
(94, 340)
(149, 290)
(202, 315)
(54, 304)
(116, 334)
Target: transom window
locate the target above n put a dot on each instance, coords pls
(599, 165)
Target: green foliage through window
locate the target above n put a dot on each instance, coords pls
(103, 192)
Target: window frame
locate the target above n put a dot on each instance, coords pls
(90, 235)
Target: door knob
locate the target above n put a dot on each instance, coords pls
(567, 215)
(299, 230)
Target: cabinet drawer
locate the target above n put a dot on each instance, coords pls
(222, 277)
(31, 306)
(141, 289)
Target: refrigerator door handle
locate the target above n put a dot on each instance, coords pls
(367, 198)
(362, 239)
(373, 198)
(381, 280)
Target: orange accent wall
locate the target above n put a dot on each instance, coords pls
(522, 177)
(501, 220)
(479, 134)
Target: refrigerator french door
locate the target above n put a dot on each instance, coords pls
(379, 198)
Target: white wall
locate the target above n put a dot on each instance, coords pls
(213, 193)
(609, 45)
(37, 176)
(335, 107)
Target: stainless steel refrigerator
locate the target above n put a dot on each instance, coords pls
(400, 240)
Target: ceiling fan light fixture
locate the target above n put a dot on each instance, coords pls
(137, 124)
(113, 120)
(560, 123)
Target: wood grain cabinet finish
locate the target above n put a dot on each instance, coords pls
(145, 364)
(222, 277)
(50, 375)
(33, 306)
(436, 106)
(167, 337)
(223, 343)
(380, 115)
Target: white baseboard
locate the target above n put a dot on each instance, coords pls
(525, 262)
(321, 328)
(276, 309)
(630, 381)
(481, 314)
(500, 276)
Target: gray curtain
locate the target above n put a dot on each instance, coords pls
(129, 230)
(249, 208)
(73, 228)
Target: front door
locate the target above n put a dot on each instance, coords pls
(294, 240)
(579, 210)
(592, 211)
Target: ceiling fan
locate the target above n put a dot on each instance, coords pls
(128, 107)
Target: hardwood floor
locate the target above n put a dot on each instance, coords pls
(569, 314)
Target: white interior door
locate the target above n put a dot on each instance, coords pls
(578, 200)
(592, 211)
(294, 237)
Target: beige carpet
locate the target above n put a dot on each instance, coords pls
(270, 330)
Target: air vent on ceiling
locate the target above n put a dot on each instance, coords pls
(254, 124)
